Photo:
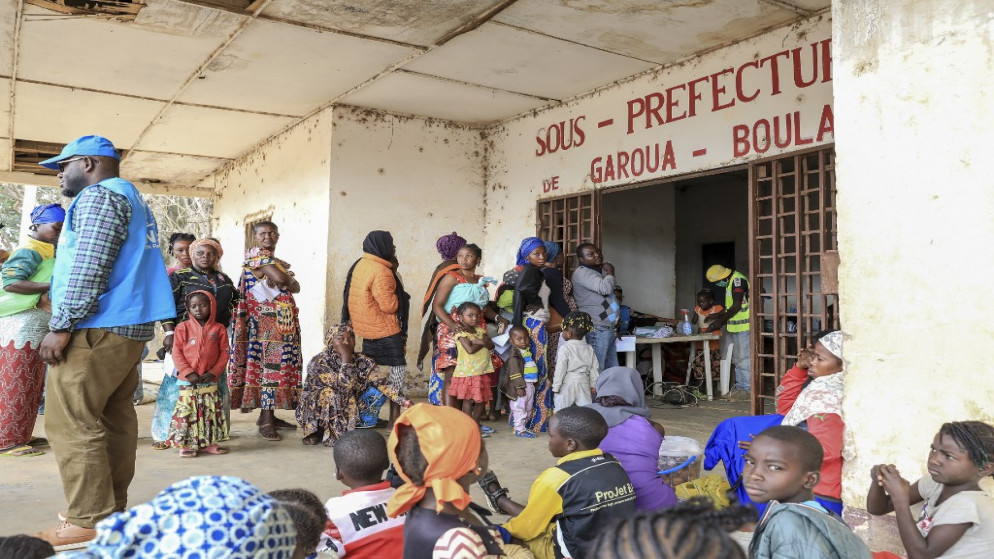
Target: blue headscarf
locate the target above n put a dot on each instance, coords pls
(207, 516)
(551, 250)
(527, 246)
(47, 213)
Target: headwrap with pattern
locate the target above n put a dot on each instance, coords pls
(337, 332)
(449, 245)
(579, 320)
(206, 516)
(206, 241)
(833, 343)
(527, 246)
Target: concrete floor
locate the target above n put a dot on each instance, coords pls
(31, 493)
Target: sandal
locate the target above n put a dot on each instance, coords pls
(188, 453)
(524, 434)
(268, 432)
(278, 423)
(312, 439)
(21, 451)
(38, 441)
(216, 450)
(160, 445)
(487, 430)
(493, 495)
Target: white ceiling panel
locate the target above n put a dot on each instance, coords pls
(427, 96)
(660, 32)
(210, 132)
(8, 11)
(504, 57)
(151, 57)
(58, 114)
(415, 22)
(168, 169)
(279, 68)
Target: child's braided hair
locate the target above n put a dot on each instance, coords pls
(692, 529)
(974, 437)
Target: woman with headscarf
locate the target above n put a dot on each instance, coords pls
(632, 437)
(561, 301)
(207, 516)
(202, 275)
(448, 246)
(810, 397)
(264, 371)
(444, 309)
(336, 379)
(529, 311)
(378, 308)
(438, 452)
(24, 314)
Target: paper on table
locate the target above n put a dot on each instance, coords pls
(626, 343)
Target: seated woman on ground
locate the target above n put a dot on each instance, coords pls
(810, 397)
(336, 380)
(632, 437)
(438, 452)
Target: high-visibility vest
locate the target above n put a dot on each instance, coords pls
(739, 322)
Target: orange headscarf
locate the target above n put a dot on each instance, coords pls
(450, 442)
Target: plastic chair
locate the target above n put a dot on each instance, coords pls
(725, 370)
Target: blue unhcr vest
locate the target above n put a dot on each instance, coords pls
(138, 290)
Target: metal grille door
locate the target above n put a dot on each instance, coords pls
(569, 221)
(793, 255)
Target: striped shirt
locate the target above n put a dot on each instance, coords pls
(100, 219)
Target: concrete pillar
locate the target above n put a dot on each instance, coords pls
(913, 129)
(28, 203)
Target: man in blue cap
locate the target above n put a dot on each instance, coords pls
(109, 287)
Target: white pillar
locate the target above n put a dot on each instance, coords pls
(28, 204)
(913, 128)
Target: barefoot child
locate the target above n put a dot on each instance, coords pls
(958, 517)
(519, 386)
(576, 363)
(782, 468)
(200, 353)
(360, 460)
(470, 387)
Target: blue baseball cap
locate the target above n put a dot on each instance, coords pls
(86, 145)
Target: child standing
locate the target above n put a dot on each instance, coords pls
(576, 363)
(470, 387)
(958, 517)
(782, 468)
(360, 460)
(200, 353)
(520, 376)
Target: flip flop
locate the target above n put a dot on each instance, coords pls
(278, 423)
(313, 439)
(21, 452)
(268, 432)
(159, 445)
(486, 430)
(38, 441)
(216, 450)
(187, 453)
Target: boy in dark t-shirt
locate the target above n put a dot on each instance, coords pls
(569, 503)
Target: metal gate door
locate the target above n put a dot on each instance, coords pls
(792, 231)
(569, 221)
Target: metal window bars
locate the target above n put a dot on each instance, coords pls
(792, 232)
(569, 221)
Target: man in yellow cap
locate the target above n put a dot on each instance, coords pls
(735, 319)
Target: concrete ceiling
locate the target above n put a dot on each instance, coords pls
(188, 85)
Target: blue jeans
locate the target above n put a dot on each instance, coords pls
(603, 341)
(742, 359)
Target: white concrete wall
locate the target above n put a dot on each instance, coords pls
(416, 178)
(289, 176)
(700, 133)
(639, 238)
(715, 211)
(915, 203)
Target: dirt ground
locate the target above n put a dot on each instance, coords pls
(31, 493)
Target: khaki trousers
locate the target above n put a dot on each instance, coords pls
(91, 422)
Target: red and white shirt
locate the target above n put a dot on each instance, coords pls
(358, 524)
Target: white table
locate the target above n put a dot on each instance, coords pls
(657, 356)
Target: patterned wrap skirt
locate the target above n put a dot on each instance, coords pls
(198, 420)
(22, 374)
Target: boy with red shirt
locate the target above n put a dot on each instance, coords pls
(358, 524)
